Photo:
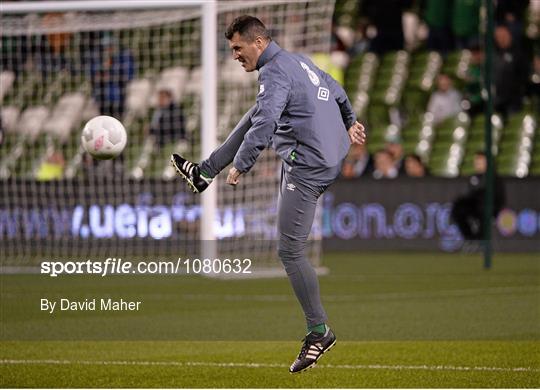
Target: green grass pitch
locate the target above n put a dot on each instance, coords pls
(402, 320)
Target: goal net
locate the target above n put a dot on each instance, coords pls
(143, 67)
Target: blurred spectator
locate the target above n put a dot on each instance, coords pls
(333, 64)
(336, 41)
(357, 162)
(52, 168)
(110, 68)
(533, 89)
(466, 22)
(474, 82)
(384, 165)
(445, 102)
(50, 53)
(509, 73)
(167, 123)
(511, 13)
(386, 17)
(14, 53)
(395, 148)
(468, 210)
(414, 166)
(437, 15)
(360, 43)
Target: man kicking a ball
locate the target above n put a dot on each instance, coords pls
(305, 114)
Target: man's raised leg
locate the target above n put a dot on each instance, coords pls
(199, 176)
(224, 154)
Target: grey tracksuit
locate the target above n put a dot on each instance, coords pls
(305, 114)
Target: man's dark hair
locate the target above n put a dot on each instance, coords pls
(383, 151)
(249, 28)
(166, 91)
(415, 157)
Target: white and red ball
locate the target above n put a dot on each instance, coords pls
(104, 137)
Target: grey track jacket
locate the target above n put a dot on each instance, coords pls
(301, 109)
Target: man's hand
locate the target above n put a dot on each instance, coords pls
(357, 133)
(232, 177)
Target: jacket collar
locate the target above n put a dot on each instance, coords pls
(271, 50)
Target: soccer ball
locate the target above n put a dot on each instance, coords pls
(104, 137)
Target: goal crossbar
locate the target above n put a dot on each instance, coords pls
(13, 7)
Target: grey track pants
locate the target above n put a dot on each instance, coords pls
(299, 191)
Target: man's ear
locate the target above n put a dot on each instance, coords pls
(259, 41)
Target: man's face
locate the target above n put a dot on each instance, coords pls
(164, 98)
(383, 160)
(444, 83)
(395, 149)
(478, 57)
(247, 53)
(413, 167)
(480, 163)
(503, 37)
(357, 151)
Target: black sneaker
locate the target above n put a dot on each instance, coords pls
(191, 173)
(315, 345)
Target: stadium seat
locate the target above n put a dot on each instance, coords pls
(7, 79)
(231, 72)
(173, 79)
(10, 116)
(65, 115)
(32, 120)
(194, 83)
(475, 141)
(359, 80)
(391, 78)
(448, 148)
(457, 64)
(138, 93)
(9, 162)
(517, 145)
(143, 159)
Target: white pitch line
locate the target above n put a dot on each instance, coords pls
(270, 365)
(370, 296)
